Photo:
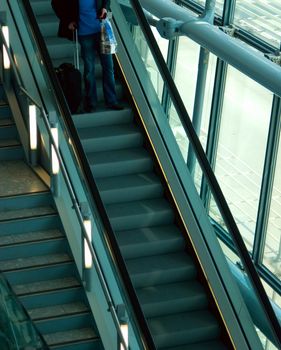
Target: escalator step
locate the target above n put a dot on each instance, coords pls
(126, 188)
(184, 328)
(145, 213)
(211, 345)
(161, 269)
(149, 241)
(172, 298)
(110, 137)
(122, 162)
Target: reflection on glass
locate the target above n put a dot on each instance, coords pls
(148, 59)
(241, 150)
(272, 249)
(218, 5)
(187, 66)
(206, 114)
(261, 18)
(186, 71)
(267, 345)
(276, 298)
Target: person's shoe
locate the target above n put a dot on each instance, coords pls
(115, 107)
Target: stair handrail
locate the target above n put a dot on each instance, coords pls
(71, 191)
(207, 171)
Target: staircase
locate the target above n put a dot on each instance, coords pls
(34, 253)
(176, 302)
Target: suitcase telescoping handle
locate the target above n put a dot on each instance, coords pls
(76, 49)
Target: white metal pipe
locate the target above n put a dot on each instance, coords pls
(239, 55)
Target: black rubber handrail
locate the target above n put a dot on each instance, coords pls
(208, 172)
(90, 183)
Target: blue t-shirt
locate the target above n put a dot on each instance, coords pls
(88, 21)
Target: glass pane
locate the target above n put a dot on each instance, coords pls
(218, 5)
(241, 149)
(187, 66)
(149, 60)
(272, 249)
(206, 114)
(261, 18)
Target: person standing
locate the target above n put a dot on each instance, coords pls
(86, 16)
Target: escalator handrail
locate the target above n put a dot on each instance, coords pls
(207, 171)
(113, 248)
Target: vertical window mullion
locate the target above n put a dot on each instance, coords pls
(267, 180)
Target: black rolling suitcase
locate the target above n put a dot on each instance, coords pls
(70, 80)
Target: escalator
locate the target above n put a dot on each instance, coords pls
(179, 304)
(170, 285)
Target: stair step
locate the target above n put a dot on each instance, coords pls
(65, 323)
(103, 118)
(6, 122)
(148, 241)
(25, 213)
(32, 250)
(72, 336)
(10, 151)
(41, 274)
(42, 313)
(110, 137)
(59, 296)
(44, 286)
(26, 200)
(172, 298)
(122, 162)
(184, 328)
(9, 143)
(210, 345)
(5, 111)
(31, 224)
(29, 237)
(35, 261)
(126, 188)
(161, 269)
(8, 133)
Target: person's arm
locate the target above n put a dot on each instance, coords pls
(66, 10)
(103, 13)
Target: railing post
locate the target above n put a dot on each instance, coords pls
(32, 121)
(5, 60)
(87, 259)
(123, 320)
(54, 142)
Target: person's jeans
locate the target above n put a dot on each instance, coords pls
(89, 48)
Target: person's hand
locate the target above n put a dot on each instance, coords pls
(72, 26)
(103, 13)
